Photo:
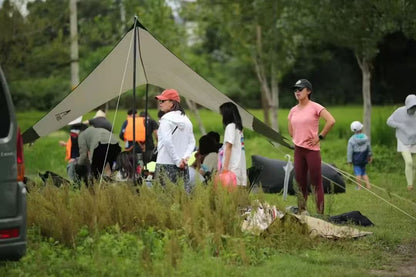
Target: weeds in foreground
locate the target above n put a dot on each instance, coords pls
(62, 212)
(167, 222)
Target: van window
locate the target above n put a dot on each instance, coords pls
(4, 112)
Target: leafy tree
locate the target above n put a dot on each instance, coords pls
(157, 16)
(257, 33)
(34, 49)
(407, 23)
(12, 42)
(100, 28)
(359, 26)
(99, 23)
(37, 54)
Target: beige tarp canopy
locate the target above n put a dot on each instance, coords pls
(155, 65)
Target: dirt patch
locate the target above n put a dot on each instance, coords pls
(403, 265)
(403, 270)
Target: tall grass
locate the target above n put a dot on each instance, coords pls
(168, 221)
(61, 212)
(121, 229)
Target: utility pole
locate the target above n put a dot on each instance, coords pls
(74, 43)
(122, 16)
(73, 22)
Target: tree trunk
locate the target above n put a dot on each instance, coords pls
(366, 66)
(274, 104)
(261, 76)
(74, 43)
(264, 105)
(194, 110)
(122, 17)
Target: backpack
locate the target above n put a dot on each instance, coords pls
(354, 217)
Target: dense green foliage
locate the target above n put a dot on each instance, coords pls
(34, 48)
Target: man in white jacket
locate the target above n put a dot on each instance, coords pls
(404, 121)
(176, 140)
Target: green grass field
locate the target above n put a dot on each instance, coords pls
(112, 230)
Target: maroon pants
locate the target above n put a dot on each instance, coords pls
(308, 161)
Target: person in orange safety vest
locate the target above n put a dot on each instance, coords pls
(126, 133)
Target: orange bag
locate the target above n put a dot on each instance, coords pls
(226, 179)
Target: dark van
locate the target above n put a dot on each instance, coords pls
(12, 188)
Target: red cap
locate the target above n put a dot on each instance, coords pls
(169, 94)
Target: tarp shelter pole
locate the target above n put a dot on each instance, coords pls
(146, 127)
(146, 108)
(134, 99)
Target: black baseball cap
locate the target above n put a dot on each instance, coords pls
(303, 83)
(131, 112)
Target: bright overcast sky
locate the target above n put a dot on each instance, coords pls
(21, 4)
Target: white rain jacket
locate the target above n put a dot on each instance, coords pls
(404, 123)
(176, 138)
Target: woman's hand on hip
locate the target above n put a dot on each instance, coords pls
(313, 141)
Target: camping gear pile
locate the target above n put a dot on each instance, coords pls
(264, 215)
